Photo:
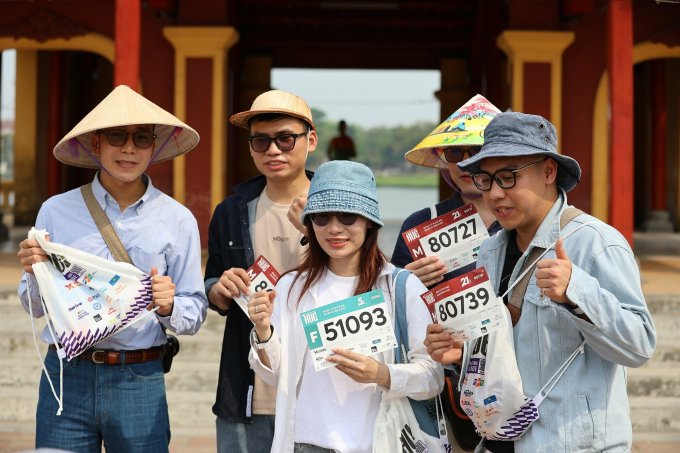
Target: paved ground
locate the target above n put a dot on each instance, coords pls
(659, 257)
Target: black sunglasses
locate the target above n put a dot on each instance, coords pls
(284, 142)
(454, 155)
(323, 218)
(118, 137)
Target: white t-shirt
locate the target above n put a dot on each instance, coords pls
(334, 411)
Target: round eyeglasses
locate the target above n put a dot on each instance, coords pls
(323, 218)
(455, 155)
(284, 142)
(118, 137)
(506, 179)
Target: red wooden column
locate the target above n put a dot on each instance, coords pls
(658, 136)
(128, 43)
(620, 70)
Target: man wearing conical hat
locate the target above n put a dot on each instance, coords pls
(115, 393)
(253, 222)
(460, 136)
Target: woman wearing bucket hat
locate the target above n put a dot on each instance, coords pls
(335, 408)
(249, 223)
(460, 136)
(581, 283)
(121, 136)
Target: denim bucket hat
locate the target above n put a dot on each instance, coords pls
(515, 134)
(343, 186)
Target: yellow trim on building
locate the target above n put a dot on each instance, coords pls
(213, 43)
(536, 47)
(599, 195)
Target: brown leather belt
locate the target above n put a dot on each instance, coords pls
(100, 356)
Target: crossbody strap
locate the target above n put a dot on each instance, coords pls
(399, 277)
(104, 225)
(517, 297)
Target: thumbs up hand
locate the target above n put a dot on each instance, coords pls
(553, 275)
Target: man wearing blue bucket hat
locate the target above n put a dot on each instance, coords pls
(586, 287)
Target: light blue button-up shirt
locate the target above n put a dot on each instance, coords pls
(155, 231)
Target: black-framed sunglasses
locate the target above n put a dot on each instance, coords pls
(454, 155)
(323, 218)
(506, 179)
(284, 142)
(118, 137)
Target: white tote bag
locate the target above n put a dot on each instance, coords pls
(397, 430)
(88, 298)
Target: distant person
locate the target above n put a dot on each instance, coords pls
(342, 147)
(460, 136)
(115, 391)
(586, 288)
(249, 223)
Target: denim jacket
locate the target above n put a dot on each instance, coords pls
(588, 408)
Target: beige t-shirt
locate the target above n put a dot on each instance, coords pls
(278, 240)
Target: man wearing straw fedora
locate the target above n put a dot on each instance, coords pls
(573, 280)
(116, 393)
(249, 223)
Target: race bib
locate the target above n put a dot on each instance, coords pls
(466, 306)
(454, 237)
(262, 276)
(359, 324)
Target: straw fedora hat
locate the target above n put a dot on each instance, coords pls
(275, 101)
(122, 107)
(463, 129)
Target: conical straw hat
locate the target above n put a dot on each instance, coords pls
(123, 107)
(275, 101)
(464, 128)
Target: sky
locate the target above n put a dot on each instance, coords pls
(366, 98)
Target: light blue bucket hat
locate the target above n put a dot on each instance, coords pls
(513, 134)
(343, 186)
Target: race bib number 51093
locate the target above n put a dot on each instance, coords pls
(359, 324)
(466, 305)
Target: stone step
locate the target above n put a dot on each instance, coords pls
(660, 415)
(663, 304)
(656, 382)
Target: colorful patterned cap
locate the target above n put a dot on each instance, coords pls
(464, 128)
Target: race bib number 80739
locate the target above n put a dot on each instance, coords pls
(466, 305)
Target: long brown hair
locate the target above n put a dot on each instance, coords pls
(315, 261)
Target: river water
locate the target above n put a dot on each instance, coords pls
(397, 203)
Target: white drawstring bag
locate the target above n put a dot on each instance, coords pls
(86, 298)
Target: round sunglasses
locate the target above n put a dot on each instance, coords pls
(323, 218)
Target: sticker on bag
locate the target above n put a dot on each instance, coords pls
(88, 298)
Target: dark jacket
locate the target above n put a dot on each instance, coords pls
(230, 245)
(401, 256)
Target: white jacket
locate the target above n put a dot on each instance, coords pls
(422, 378)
